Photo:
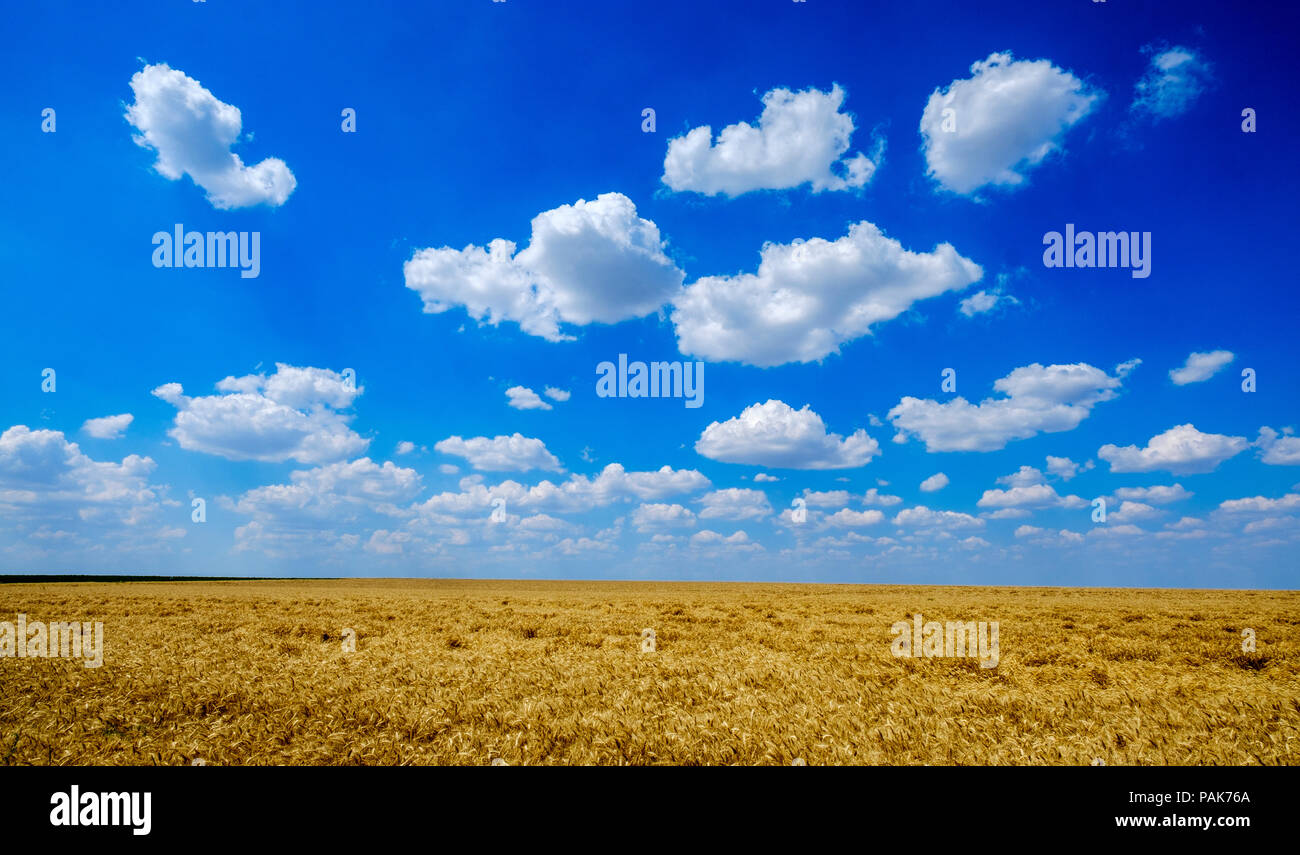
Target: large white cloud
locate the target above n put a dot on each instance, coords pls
(1037, 400)
(291, 415)
(1006, 119)
(40, 468)
(812, 296)
(589, 262)
(1180, 450)
(1201, 366)
(777, 435)
(192, 132)
(1173, 81)
(515, 453)
(801, 138)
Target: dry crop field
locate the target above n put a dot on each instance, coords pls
(461, 672)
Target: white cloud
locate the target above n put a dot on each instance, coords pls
(555, 394)
(1030, 496)
(291, 415)
(589, 262)
(922, 517)
(1159, 495)
(448, 468)
(739, 541)
(1132, 512)
(810, 297)
(776, 435)
(846, 518)
(1261, 504)
(1038, 399)
(934, 483)
(828, 499)
(1065, 468)
(579, 493)
(192, 132)
(763, 477)
(339, 494)
(1201, 366)
(801, 138)
(1025, 476)
(42, 473)
(735, 504)
(1006, 119)
(875, 497)
(1278, 450)
(1125, 368)
(523, 398)
(405, 447)
(515, 453)
(1175, 78)
(1181, 449)
(984, 301)
(108, 427)
(655, 517)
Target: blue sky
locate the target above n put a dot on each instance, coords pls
(873, 213)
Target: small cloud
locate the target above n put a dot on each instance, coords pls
(934, 483)
(523, 398)
(557, 394)
(1201, 366)
(1175, 78)
(108, 427)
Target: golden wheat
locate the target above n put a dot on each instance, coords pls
(462, 672)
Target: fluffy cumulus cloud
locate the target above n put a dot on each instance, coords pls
(921, 517)
(108, 427)
(192, 132)
(337, 492)
(589, 262)
(579, 493)
(659, 516)
(809, 297)
(1201, 366)
(777, 435)
(735, 503)
(934, 483)
(801, 138)
(523, 398)
(1173, 81)
(294, 414)
(1037, 399)
(1180, 450)
(1159, 495)
(45, 478)
(1278, 449)
(1065, 468)
(560, 395)
(845, 518)
(992, 128)
(515, 453)
(1029, 496)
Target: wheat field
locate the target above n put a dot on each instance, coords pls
(466, 672)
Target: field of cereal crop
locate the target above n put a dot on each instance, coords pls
(462, 672)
